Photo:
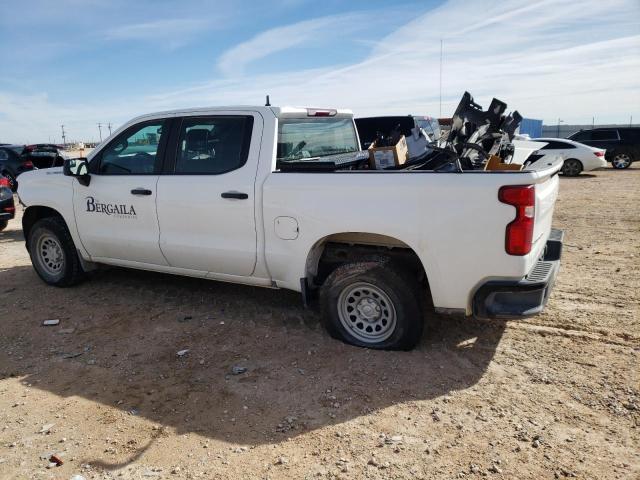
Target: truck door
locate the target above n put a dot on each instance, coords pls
(116, 213)
(206, 201)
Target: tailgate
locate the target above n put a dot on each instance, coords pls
(547, 183)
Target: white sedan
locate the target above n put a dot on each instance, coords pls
(578, 157)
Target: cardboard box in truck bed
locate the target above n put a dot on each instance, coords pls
(383, 157)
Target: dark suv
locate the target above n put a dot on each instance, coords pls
(622, 144)
(13, 162)
(44, 155)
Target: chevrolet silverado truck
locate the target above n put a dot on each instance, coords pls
(284, 198)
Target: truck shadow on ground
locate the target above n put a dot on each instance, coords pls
(582, 176)
(119, 335)
(10, 236)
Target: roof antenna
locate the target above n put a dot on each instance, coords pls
(268, 104)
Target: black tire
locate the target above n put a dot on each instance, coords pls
(3, 224)
(380, 278)
(621, 161)
(572, 167)
(61, 268)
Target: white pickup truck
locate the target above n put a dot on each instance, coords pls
(279, 197)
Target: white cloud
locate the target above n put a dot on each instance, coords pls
(233, 61)
(173, 32)
(549, 60)
(546, 59)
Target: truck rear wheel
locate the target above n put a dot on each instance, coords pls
(53, 253)
(372, 303)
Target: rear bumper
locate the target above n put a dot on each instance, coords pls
(526, 297)
(7, 209)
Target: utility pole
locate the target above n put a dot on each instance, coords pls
(64, 137)
(593, 122)
(100, 130)
(109, 127)
(441, 48)
(630, 120)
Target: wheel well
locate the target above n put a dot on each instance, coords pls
(335, 250)
(32, 215)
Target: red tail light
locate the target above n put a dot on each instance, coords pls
(599, 153)
(4, 182)
(519, 233)
(27, 164)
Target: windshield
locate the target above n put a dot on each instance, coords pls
(315, 137)
(429, 125)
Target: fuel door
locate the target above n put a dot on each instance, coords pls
(286, 228)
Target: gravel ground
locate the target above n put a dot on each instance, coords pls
(551, 397)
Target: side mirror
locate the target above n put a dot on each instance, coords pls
(79, 168)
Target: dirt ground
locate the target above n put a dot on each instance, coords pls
(551, 397)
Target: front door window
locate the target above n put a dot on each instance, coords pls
(135, 152)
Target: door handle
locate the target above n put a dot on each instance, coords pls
(238, 195)
(141, 191)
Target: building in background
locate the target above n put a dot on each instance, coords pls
(563, 131)
(531, 127)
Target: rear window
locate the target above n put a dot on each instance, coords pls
(632, 134)
(315, 137)
(555, 145)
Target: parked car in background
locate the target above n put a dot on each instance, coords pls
(7, 206)
(622, 144)
(44, 155)
(578, 157)
(13, 163)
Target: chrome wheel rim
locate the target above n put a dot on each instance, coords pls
(50, 254)
(367, 312)
(621, 161)
(571, 168)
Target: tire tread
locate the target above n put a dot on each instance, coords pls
(74, 272)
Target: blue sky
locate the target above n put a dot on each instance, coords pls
(83, 62)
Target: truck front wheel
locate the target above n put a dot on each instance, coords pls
(372, 303)
(53, 253)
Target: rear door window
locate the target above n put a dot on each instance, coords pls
(581, 136)
(213, 145)
(604, 135)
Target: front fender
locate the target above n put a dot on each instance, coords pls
(45, 191)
